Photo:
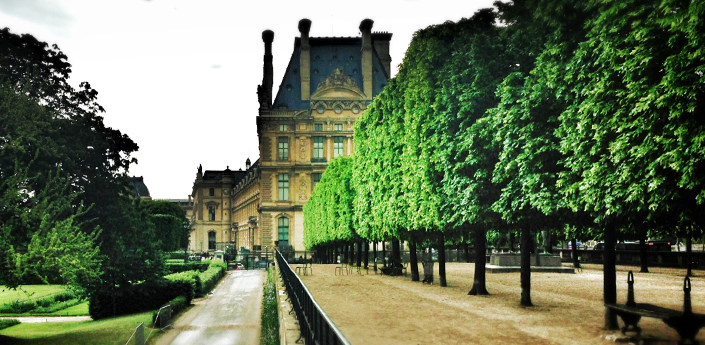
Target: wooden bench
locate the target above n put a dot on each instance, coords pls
(685, 322)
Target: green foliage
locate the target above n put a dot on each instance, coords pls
(136, 298)
(170, 224)
(189, 266)
(53, 184)
(270, 312)
(5, 323)
(328, 215)
(192, 277)
(211, 276)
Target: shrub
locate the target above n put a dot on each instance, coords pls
(5, 323)
(136, 298)
(270, 312)
(191, 266)
(57, 306)
(17, 307)
(192, 278)
(212, 275)
(177, 305)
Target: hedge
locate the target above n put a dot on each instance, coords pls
(137, 298)
(201, 266)
(212, 275)
(192, 277)
(177, 305)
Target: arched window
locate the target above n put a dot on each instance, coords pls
(211, 240)
(283, 230)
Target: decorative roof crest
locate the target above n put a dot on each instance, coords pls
(338, 80)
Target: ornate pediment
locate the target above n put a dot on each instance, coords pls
(337, 86)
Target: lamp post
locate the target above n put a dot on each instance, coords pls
(252, 223)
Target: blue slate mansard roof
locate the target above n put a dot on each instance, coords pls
(327, 54)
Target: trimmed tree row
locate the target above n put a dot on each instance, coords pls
(576, 119)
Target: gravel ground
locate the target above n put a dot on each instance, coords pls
(568, 308)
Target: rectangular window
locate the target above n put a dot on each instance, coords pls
(283, 128)
(283, 149)
(338, 127)
(337, 146)
(283, 187)
(283, 230)
(211, 240)
(318, 149)
(318, 127)
(316, 179)
(211, 213)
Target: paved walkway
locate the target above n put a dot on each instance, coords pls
(38, 319)
(231, 315)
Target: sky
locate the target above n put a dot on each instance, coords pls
(180, 77)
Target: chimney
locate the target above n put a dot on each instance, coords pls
(305, 59)
(381, 42)
(366, 30)
(267, 77)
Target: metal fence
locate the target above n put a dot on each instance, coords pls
(314, 324)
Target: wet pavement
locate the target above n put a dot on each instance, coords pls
(231, 315)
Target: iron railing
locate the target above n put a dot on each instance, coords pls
(314, 324)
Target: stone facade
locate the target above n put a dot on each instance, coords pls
(327, 85)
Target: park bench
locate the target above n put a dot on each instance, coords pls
(686, 323)
(305, 267)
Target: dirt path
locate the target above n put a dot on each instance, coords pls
(374, 309)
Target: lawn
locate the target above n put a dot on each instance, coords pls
(107, 331)
(77, 310)
(35, 292)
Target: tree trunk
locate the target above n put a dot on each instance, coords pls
(396, 258)
(413, 261)
(442, 261)
(478, 283)
(642, 251)
(367, 254)
(384, 254)
(574, 253)
(374, 253)
(349, 253)
(549, 242)
(689, 254)
(610, 277)
(511, 241)
(526, 267)
(359, 254)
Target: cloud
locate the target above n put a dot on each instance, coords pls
(43, 12)
(216, 66)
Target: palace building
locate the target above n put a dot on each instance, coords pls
(327, 85)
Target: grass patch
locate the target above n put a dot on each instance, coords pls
(106, 331)
(270, 312)
(77, 310)
(35, 292)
